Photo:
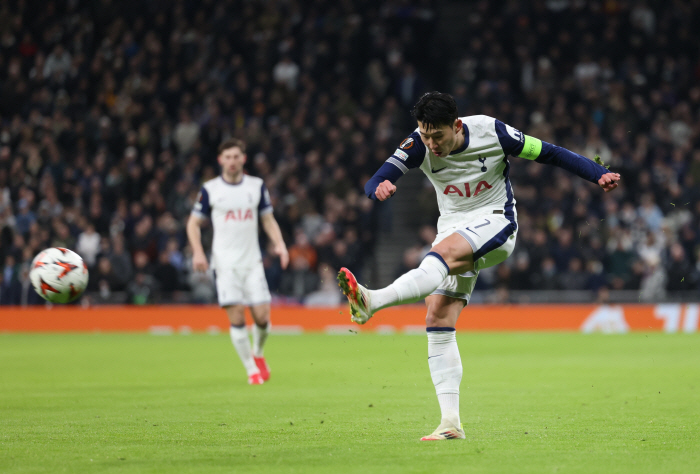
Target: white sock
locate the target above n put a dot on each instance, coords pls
(412, 286)
(446, 371)
(259, 338)
(239, 338)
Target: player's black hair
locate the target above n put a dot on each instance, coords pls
(435, 109)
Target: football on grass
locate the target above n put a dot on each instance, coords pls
(59, 275)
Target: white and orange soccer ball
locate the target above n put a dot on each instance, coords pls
(59, 275)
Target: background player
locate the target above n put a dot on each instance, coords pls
(466, 159)
(233, 202)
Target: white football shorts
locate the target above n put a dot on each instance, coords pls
(246, 286)
(492, 238)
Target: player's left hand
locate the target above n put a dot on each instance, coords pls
(609, 181)
(281, 250)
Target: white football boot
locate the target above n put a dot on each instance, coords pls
(445, 431)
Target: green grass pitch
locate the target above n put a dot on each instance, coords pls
(531, 402)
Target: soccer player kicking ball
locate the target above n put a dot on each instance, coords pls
(233, 202)
(466, 159)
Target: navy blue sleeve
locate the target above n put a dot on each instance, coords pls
(511, 140)
(202, 205)
(570, 161)
(387, 171)
(265, 205)
(410, 154)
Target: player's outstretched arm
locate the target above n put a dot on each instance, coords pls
(194, 235)
(534, 149)
(272, 229)
(516, 143)
(587, 169)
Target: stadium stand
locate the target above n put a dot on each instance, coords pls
(111, 112)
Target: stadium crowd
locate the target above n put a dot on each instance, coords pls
(111, 113)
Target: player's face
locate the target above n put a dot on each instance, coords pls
(232, 161)
(443, 139)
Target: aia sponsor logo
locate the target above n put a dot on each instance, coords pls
(455, 189)
(407, 143)
(239, 215)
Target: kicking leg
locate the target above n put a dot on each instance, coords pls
(451, 256)
(239, 338)
(445, 363)
(261, 328)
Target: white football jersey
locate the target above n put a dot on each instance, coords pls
(234, 209)
(471, 180)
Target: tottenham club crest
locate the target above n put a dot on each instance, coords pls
(483, 164)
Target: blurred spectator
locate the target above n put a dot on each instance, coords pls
(62, 236)
(596, 276)
(653, 285)
(300, 281)
(563, 250)
(57, 64)
(10, 287)
(143, 239)
(27, 295)
(619, 261)
(573, 278)
(104, 278)
(120, 261)
(166, 274)
(25, 217)
(175, 256)
(546, 278)
(286, 73)
(142, 263)
(520, 278)
(650, 212)
(140, 289)
(186, 133)
(327, 294)
(302, 248)
(88, 244)
(681, 275)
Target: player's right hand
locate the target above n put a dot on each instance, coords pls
(385, 190)
(199, 262)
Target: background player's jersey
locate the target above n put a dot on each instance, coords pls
(234, 210)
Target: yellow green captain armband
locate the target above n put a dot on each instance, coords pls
(531, 148)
